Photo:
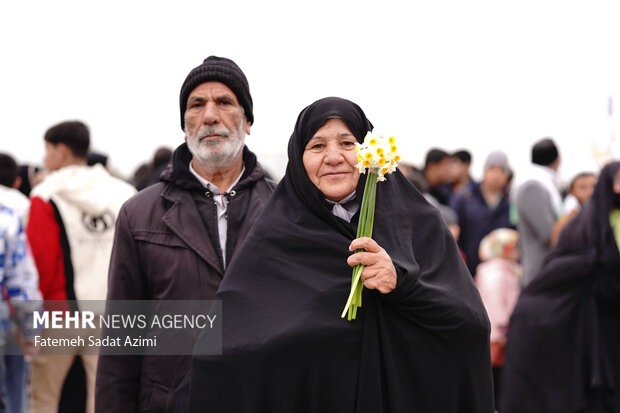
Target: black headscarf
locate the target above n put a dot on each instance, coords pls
(563, 349)
(422, 347)
(308, 122)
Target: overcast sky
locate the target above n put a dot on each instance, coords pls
(458, 74)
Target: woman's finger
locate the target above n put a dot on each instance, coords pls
(365, 258)
(367, 273)
(365, 243)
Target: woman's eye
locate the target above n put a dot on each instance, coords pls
(317, 146)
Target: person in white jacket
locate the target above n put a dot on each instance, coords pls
(71, 229)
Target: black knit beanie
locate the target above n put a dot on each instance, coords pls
(544, 152)
(218, 69)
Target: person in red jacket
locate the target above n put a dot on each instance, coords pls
(71, 230)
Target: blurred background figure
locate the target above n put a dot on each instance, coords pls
(98, 158)
(563, 348)
(10, 181)
(28, 177)
(95, 158)
(538, 205)
(437, 174)
(497, 279)
(460, 174)
(148, 173)
(141, 175)
(483, 207)
(448, 215)
(71, 230)
(578, 192)
(18, 289)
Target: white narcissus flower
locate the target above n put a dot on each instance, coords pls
(377, 153)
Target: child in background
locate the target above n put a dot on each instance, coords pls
(579, 191)
(497, 279)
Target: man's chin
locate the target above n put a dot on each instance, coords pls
(215, 160)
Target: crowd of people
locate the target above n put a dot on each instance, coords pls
(479, 296)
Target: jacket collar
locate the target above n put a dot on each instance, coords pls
(183, 217)
(180, 175)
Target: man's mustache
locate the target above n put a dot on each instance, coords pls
(210, 130)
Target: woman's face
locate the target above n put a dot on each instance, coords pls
(330, 159)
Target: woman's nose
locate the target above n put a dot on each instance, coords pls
(334, 154)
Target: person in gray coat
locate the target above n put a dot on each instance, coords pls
(538, 203)
(175, 239)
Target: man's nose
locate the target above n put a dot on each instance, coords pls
(211, 114)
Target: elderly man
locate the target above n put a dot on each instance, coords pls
(175, 239)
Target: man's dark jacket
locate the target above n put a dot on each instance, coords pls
(167, 248)
(476, 220)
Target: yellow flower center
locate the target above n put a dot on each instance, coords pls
(373, 141)
(366, 164)
(379, 151)
(382, 161)
(392, 140)
(368, 155)
(393, 148)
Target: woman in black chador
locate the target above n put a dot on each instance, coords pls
(420, 342)
(563, 351)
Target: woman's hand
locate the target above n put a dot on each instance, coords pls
(379, 272)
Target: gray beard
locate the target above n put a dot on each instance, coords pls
(230, 147)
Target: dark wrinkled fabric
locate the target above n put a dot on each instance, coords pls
(563, 349)
(163, 251)
(424, 347)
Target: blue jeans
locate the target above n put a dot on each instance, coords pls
(13, 379)
(15, 393)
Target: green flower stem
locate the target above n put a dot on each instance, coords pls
(364, 229)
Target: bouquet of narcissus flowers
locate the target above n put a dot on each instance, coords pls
(378, 155)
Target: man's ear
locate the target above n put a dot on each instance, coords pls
(17, 183)
(247, 126)
(65, 151)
